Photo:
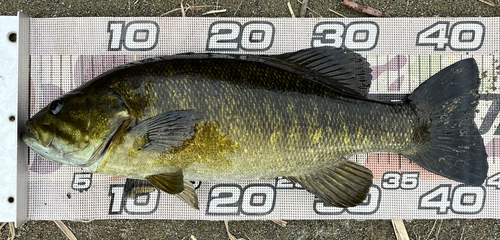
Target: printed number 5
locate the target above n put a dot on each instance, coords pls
(81, 181)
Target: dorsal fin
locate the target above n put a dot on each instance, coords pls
(337, 68)
(341, 70)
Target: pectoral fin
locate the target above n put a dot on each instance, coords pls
(166, 131)
(346, 184)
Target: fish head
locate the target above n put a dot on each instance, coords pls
(77, 128)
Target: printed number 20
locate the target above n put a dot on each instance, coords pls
(134, 36)
(231, 199)
(231, 36)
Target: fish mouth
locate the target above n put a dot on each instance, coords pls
(33, 133)
(32, 139)
(32, 136)
(47, 152)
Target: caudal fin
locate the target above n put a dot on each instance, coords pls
(451, 144)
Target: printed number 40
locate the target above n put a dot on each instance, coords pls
(462, 200)
(462, 36)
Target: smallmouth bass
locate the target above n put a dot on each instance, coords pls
(222, 117)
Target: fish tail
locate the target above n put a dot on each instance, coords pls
(449, 143)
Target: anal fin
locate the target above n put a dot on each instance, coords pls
(345, 184)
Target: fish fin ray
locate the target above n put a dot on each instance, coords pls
(188, 195)
(337, 186)
(337, 68)
(134, 187)
(166, 131)
(450, 142)
(172, 183)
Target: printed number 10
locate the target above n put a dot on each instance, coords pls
(133, 36)
(141, 204)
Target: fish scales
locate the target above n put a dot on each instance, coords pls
(263, 121)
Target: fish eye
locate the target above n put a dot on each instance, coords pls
(55, 107)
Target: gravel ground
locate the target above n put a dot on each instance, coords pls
(252, 230)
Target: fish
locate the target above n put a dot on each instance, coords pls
(165, 121)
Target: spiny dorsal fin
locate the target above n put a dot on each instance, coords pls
(165, 131)
(338, 68)
(346, 184)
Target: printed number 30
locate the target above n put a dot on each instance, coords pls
(369, 206)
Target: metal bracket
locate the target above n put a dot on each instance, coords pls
(14, 111)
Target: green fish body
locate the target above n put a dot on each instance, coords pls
(217, 117)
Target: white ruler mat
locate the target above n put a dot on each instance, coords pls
(403, 52)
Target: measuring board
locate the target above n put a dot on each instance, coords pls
(403, 52)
